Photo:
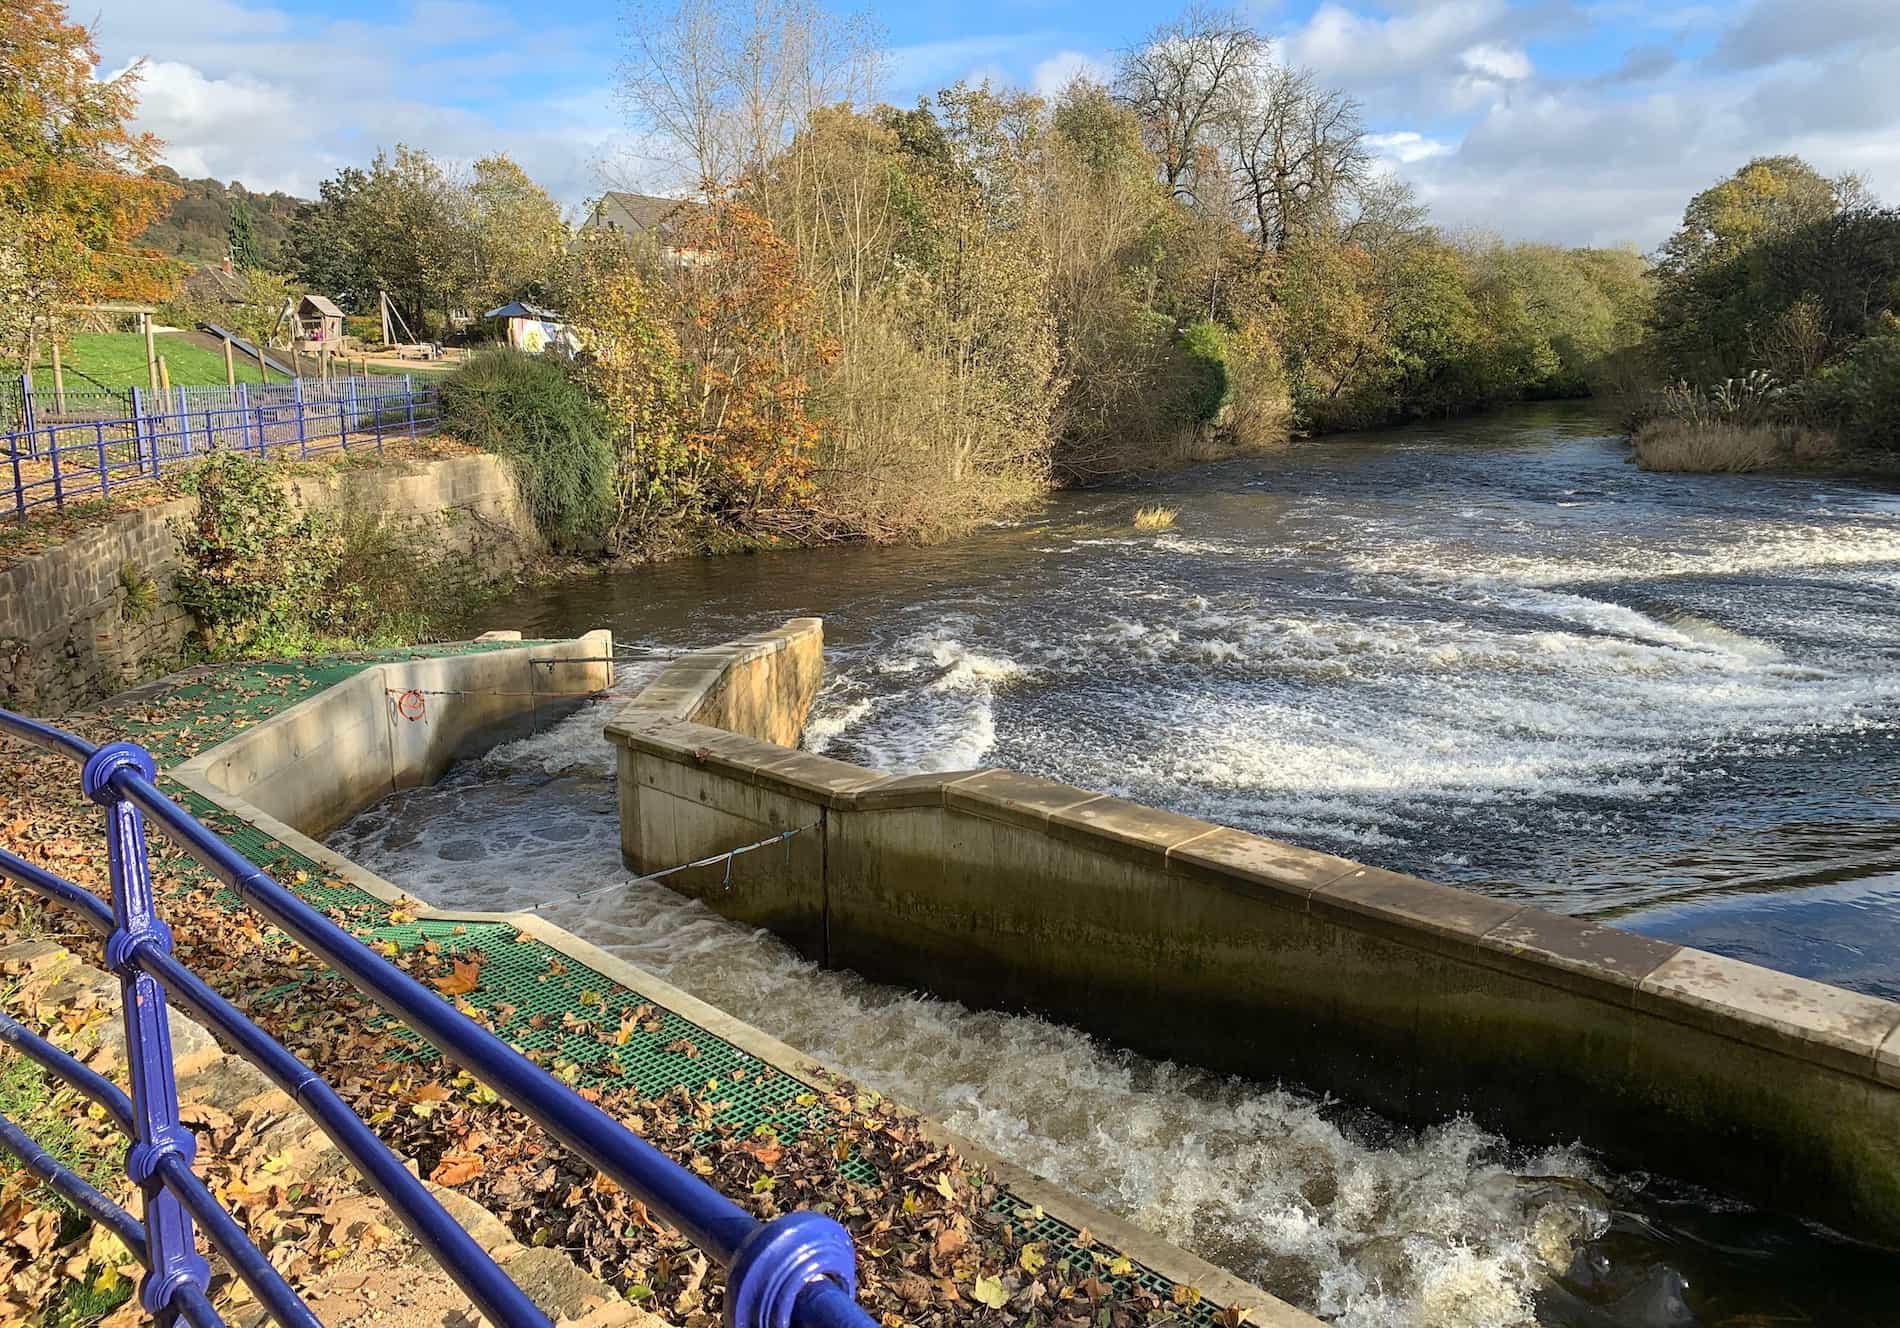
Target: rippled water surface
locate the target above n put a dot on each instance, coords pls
(1490, 653)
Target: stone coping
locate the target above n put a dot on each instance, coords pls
(1808, 1021)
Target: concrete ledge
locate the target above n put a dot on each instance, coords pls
(1193, 941)
(324, 759)
(692, 749)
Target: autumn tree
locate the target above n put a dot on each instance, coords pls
(1183, 81)
(517, 231)
(73, 180)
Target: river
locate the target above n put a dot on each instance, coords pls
(1491, 653)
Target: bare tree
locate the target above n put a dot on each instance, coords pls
(1298, 154)
(721, 86)
(1183, 81)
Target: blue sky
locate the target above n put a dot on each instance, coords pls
(1578, 121)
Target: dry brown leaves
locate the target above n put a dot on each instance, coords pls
(933, 1247)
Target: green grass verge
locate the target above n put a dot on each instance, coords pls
(117, 360)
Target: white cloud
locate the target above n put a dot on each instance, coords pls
(1406, 146)
(1051, 76)
(250, 93)
(1507, 64)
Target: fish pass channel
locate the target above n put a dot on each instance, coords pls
(1490, 653)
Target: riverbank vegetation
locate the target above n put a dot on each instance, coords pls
(1775, 326)
(264, 577)
(887, 322)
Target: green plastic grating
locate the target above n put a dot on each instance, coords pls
(529, 975)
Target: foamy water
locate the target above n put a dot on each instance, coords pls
(1490, 653)
(1366, 1226)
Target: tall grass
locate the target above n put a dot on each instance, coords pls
(1156, 518)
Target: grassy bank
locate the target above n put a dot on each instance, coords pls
(117, 360)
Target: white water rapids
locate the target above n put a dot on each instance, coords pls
(1490, 653)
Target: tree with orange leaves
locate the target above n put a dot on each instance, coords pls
(746, 327)
(73, 181)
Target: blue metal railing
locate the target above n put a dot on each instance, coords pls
(797, 1271)
(53, 459)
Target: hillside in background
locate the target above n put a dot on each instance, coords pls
(197, 226)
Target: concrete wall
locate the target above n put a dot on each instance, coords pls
(1187, 940)
(325, 759)
(99, 612)
(294, 775)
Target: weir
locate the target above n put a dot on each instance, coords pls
(1191, 941)
(305, 768)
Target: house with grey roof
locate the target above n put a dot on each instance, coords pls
(645, 218)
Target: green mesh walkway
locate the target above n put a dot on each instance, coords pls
(524, 981)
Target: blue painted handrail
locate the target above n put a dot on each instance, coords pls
(797, 1271)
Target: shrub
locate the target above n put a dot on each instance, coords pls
(527, 409)
(263, 578)
(254, 565)
(1860, 394)
(1204, 345)
(1156, 518)
(1712, 446)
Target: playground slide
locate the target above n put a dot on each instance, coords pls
(247, 348)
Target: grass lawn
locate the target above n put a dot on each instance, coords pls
(117, 360)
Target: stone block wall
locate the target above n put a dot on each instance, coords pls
(100, 612)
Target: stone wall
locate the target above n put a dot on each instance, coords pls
(1187, 940)
(100, 613)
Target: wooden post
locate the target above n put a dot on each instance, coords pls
(151, 352)
(230, 365)
(59, 383)
(263, 365)
(382, 307)
(164, 377)
(296, 362)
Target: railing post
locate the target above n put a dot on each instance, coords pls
(170, 1242)
(59, 487)
(138, 427)
(27, 412)
(244, 416)
(303, 440)
(411, 397)
(353, 416)
(19, 484)
(105, 476)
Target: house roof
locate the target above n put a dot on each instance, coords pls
(642, 212)
(522, 309)
(322, 304)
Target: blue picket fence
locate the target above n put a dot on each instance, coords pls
(797, 1271)
(72, 450)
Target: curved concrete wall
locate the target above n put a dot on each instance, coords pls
(1188, 940)
(294, 775)
(323, 760)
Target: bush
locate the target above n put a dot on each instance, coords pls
(253, 564)
(264, 579)
(1709, 446)
(527, 409)
(1860, 394)
(1204, 345)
